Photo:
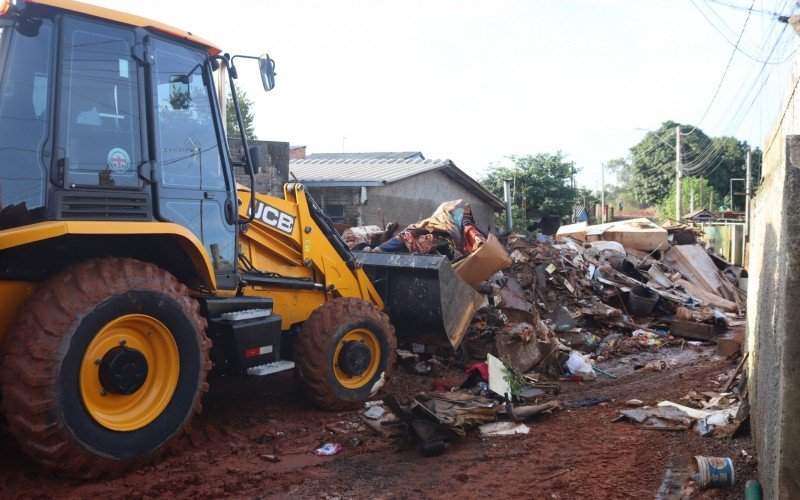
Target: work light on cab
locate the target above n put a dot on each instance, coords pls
(11, 6)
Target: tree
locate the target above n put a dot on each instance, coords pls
(704, 194)
(647, 176)
(545, 182)
(246, 106)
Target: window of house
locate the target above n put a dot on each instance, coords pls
(335, 212)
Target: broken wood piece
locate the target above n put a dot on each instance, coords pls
(707, 297)
(692, 330)
(739, 367)
(693, 262)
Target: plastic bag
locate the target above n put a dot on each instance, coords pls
(328, 449)
(579, 364)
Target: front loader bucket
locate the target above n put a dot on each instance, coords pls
(425, 299)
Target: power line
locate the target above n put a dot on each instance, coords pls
(735, 45)
(742, 7)
(727, 67)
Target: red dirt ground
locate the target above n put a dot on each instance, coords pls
(576, 453)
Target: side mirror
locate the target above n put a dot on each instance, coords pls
(267, 67)
(255, 157)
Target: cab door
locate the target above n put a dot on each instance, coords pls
(191, 185)
(99, 117)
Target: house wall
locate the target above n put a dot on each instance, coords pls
(773, 338)
(347, 197)
(274, 165)
(405, 202)
(415, 198)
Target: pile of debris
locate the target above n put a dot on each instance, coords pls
(604, 290)
(563, 304)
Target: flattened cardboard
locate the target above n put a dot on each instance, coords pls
(483, 262)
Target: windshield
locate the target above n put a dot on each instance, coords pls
(24, 127)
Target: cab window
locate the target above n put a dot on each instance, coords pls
(188, 151)
(24, 109)
(99, 133)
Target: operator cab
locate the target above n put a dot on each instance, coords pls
(112, 117)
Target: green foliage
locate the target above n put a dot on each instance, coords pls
(647, 176)
(514, 378)
(246, 106)
(179, 97)
(702, 198)
(545, 182)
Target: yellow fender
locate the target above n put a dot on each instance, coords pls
(13, 293)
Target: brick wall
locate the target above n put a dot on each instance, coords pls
(297, 153)
(347, 197)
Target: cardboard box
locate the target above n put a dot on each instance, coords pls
(483, 262)
(728, 346)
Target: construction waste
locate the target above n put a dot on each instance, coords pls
(563, 305)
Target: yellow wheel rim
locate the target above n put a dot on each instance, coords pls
(130, 412)
(371, 342)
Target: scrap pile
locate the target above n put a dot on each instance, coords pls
(591, 294)
(449, 231)
(605, 290)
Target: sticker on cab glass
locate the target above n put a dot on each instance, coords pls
(118, 160)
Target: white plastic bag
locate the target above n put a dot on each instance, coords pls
(579, 364)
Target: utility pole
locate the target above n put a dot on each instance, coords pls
(603, 192)
(691, 199)
(711, 202)
(678, 173)
(748, 193)
(507, 195)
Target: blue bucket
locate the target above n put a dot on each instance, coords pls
(714, 472)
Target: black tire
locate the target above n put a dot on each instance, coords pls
(316, 346)
(45, 345)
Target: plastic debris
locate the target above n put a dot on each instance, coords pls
(328, 449)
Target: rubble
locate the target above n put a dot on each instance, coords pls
(560, 307)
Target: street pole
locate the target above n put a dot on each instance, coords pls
(678, 173)
(603, 192)
(691, 199)
(748, 193)
(507, 194)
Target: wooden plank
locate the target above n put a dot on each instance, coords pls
(709, 298)
(695, 265)
(691, 330)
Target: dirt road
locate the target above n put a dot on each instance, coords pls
(575, 453)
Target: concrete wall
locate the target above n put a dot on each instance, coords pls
(415, 198)
(773, 336)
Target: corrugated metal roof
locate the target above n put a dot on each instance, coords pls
(375, 172)
(384, 171)
(388, 155)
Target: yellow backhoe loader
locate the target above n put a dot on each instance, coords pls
(131, 263)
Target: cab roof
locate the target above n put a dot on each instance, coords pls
(124, 18)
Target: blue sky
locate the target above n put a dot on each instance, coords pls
(476, 81)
